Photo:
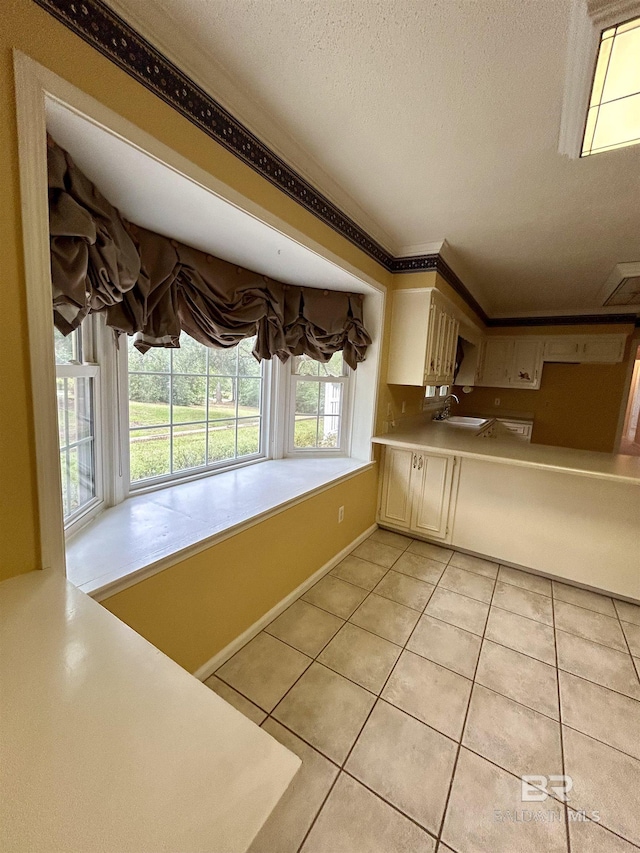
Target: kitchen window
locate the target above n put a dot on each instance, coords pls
(174, 414)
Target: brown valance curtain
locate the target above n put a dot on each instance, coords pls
(153, 287)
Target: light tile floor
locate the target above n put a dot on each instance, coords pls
(418, 684)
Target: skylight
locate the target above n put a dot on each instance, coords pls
(613, 119)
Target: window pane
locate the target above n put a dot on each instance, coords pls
(330, 410)
(191, 357)
(307, 398)
(222, 440)
(334, 367)
(67, 348)
(248, 364)
(75, 434)
(249, 397)
(222, 397)
(188, 398)
(248, 436)
(189, 448)
(305, 432)
(148, 399)
(150, 451)
(223, 362)
(155, 360)
(303, 365)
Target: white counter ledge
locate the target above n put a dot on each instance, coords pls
(108, 745)
(446, 439)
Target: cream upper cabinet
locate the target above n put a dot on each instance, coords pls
(416, 491)
(424, 336)
(508, 362)
(562, 348)
(526, 363)
(517, 362)
(603, 349)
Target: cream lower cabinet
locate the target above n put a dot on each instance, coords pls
(416, 490)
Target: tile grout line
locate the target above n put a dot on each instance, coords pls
(464, 722)
(627, 641)
(378, 697)
(562, 755)
(419, 654)
(341, 766)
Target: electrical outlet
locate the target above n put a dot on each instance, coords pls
(496, 402)
(340, 514)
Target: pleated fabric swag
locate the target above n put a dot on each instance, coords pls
(155, 288)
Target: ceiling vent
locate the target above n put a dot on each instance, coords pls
(622, 286)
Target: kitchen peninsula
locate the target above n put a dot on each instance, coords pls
(570, 514)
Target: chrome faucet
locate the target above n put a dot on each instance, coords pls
(444, 413)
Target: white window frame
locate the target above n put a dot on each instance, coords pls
(166, 480)
(344, 441)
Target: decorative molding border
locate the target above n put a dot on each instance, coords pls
(110, 34)
(209, 667)
(103, 29)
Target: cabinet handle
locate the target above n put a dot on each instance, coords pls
(420, 464)
(415, 460)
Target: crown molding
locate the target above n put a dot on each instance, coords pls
(106, 31)
(436, 247)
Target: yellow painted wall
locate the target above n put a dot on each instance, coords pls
(577, 405)
(206, 601)
(193, 608)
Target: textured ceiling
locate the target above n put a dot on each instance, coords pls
(424, 121)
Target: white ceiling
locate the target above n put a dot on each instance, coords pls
(156, 197)
(424, 121)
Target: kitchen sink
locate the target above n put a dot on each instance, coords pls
(470, 423)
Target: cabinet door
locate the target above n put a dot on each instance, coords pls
(561, 349)
(447, 361)
(526, 363)
(430, 370)
(603, 348)
(453, 347)
(495, 362)
(395, 504)
(441, 343)
(431, 488)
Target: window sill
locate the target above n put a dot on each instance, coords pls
(150, 532)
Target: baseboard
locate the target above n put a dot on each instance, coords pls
(223, 655)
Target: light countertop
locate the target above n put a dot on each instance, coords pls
(108, 745)
(431, 435)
